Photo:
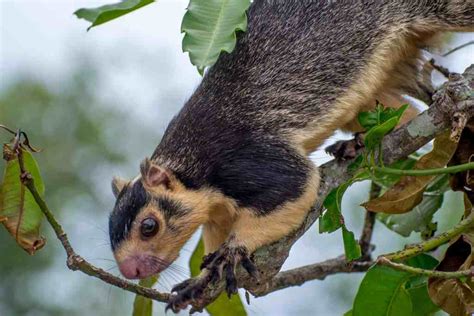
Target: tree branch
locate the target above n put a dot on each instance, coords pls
(74, 261)
(317, 271)
(453, 98)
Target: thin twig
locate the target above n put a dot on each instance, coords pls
(7, 129)
(426, 272)
(74, 261)
(457, 48)
(433, 242)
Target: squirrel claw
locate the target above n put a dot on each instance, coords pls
(186, 291)
(346, 149)
(218, 265)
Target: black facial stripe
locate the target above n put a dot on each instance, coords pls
(130, 201)
(170, 208)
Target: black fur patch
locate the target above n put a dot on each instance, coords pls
(171, 208)
(129, 203)
(262, 175)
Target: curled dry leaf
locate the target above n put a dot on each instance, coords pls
(464, 181)
(19, 212)
(408, 191)
(455, 296)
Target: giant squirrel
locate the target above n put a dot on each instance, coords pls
(235, 158)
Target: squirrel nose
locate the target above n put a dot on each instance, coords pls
(139, 267)
(130, 268)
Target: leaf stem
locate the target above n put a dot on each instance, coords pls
(426, 172)
(432, 243)
(428, 273)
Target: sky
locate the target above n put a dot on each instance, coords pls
(141, 61)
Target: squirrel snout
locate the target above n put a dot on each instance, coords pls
(140, 267)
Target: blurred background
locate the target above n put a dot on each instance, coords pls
(98, 102)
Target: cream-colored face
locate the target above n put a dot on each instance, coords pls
(152, 243)
(153, 217)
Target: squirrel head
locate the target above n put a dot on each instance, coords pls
(154, 215)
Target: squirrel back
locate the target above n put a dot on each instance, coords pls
(302, 70)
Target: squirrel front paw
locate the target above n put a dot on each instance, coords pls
(219, 265)
(346, 149)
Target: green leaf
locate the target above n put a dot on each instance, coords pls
(351, 246)
(423, 306)
(110, 12)
(332, 219)
(417, 286)
(19, 212)
(385, 291)
(210, 28)
(382, 293)
(380, 115)
(143, 306)
(196, 259)
(367, 119)
(222, 305)
(420, 218)
(422, 261)
(389, 113)
(375, 135)
(379, 123)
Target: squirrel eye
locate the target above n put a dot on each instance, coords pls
(149, 227)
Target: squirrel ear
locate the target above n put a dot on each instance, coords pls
(117, 185)
(154, 175)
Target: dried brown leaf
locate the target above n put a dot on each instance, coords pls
(454, 296)
(408, 191)
(464, 181)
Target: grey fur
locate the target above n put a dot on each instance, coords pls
(295, 61)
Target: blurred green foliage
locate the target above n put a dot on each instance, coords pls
(80, 137)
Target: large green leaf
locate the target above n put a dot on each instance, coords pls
(19, 212)
(422, 304)
(382, 293)
(417, 287)
(385, 291)
(110, 12)
(222, 306)
(143, 306)
(210, 28)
